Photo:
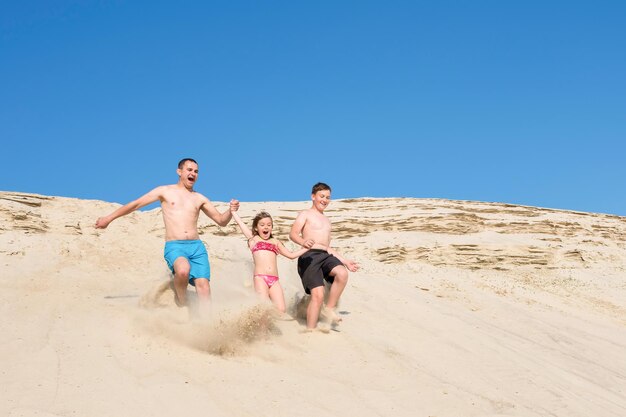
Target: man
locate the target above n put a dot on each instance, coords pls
(184, 252)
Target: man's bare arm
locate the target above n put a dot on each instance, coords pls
(142, 201)
(221, 219)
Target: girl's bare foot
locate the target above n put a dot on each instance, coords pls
(324, 330)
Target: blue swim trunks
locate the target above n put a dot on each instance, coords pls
(194, 251)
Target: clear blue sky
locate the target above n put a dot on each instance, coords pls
(509, 101)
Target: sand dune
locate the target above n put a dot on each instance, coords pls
(461, 308)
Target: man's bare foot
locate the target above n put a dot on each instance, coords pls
(177, 300)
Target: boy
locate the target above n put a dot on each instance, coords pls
(184, 252)
(311, 229)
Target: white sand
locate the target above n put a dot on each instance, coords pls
(460, 309)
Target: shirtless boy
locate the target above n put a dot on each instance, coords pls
(312, 230)
(184, 252)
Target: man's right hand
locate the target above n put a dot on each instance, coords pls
(102, 223)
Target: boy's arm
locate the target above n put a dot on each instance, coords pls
(142, 201)
(288, 254)
(350, 264)
(296, 231)
(244, 229)
(221, 219)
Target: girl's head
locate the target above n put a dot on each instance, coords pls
(262, 225)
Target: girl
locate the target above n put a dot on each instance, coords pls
(265, 248)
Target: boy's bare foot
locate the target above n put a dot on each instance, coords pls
(330, 315)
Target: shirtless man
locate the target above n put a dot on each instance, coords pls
(312, 230)
(184, 252)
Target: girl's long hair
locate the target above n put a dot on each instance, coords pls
(255, 222)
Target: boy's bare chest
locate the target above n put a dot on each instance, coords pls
(319, 223)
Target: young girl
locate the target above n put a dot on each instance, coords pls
(265, 248)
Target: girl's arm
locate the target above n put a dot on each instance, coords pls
(288, 254)
(244, 229)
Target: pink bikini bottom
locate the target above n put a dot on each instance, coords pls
(269, 279)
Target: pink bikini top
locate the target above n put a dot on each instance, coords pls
(261, 245)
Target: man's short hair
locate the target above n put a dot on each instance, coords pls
(320, 186)
(182, 162)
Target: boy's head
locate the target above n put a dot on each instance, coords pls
(320, 195)
(320, 186)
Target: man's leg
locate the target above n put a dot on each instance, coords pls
(315, 305)
(181, 280)
(203, 289)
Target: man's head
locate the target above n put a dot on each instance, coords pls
(320, 194)
(187, 172)
(182, 162)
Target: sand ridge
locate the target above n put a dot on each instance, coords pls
(461, 308)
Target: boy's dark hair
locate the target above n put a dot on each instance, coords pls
(320, 186)
(182, 162)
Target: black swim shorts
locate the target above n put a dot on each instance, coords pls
(314, 267)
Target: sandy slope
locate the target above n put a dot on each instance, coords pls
(460, 309)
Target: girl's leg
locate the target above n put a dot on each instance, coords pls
(277, 296)
(261, 288)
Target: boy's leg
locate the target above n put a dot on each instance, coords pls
(181, 280)
(340, 274)
(315, 305)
